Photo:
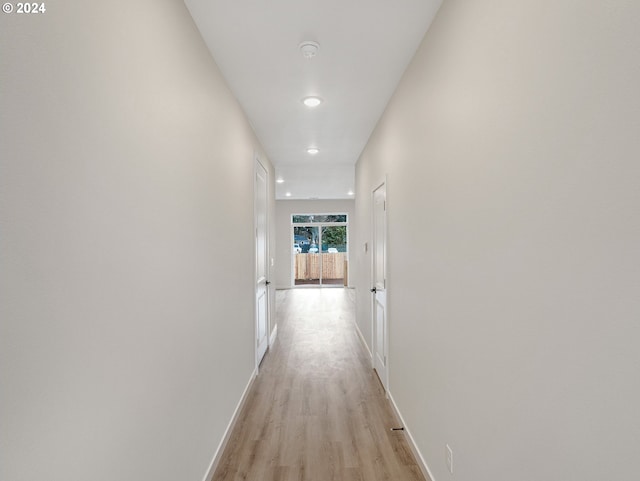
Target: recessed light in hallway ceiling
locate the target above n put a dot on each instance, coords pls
(312, 101)
(313, 150)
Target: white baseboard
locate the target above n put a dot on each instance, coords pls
(422, 464)
(364, 343)
(227, 433)
(274, 334)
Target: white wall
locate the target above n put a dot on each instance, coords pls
(284, 210)
(512, 151)
(126, 245)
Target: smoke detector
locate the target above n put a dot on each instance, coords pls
(309, 49)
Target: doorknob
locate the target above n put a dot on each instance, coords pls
(267, 282)
(374, 290)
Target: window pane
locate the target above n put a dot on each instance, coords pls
(316, 218)
(306, 257)
(330, 218)
(302, 219)
(334, 248)
(334, 238)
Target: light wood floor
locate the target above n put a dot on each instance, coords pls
(317, 411)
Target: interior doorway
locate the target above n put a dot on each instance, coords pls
(320, 249)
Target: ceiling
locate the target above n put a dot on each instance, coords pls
(365, 46)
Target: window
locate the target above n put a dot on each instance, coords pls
(318, 218)
(319, 249)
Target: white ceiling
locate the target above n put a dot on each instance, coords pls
(365, 46)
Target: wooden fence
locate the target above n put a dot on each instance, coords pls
(307, 266)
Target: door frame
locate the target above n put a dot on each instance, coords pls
(259, 165)
(385, 378)
(320, 225)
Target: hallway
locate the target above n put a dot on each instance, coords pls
(508, 141)
(317, 410)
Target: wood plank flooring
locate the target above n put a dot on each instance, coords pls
(317, 411)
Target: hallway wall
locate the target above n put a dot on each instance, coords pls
(284, 210)
(126, 265)
(511, 147)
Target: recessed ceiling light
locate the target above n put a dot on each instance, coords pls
(312, 101)
(313, 150)
(279, 181)
(288, 194)
(350, 192)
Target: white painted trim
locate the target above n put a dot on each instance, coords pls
(364, 343)
(274, 334)
(422, 464)
(227, 434)
(292, 274)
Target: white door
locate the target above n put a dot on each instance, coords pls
(379, 290)
(262, 268)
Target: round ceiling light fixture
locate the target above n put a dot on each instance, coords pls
(312, 101)
(313, 150)
(309, 49)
